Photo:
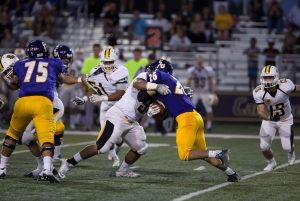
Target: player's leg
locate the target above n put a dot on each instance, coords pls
(136, 139)
(287, 140)
(209, 116)
(45, 129)
(112, 154)
(20, 119)
(267, 134)
(58, 111)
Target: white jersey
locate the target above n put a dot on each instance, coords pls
(107, 84)
(199, 79)
(277, 103)
(129, 103)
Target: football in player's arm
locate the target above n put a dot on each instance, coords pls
(274, 109)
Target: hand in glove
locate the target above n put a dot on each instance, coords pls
(153, 110)
(163, 89)
(275, 117)
(96, 98)
(79, 100)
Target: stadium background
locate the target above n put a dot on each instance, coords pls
(80, 24)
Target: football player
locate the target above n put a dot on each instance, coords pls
(201, 80)
(121, 121)
(65, 54)
(274, 109)
(108, 82)
(190, 137)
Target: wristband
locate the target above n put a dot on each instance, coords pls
(85, 98)
(105, 98)
(79, 80)
(151, 86)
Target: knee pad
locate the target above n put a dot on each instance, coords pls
(48, 148)
(264, 146)
(143, 149)
(9, 145)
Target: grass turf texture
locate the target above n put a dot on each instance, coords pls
(164, 176)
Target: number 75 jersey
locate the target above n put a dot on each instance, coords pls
(277, 103)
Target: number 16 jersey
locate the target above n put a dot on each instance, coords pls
(277, 103)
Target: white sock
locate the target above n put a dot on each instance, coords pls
(77, 157)
(208, 124)
(57, 150)
(47, 163)
(272, 160)
(113, 153)
(213, 153)
(3, 161)
(40, 162)
(124, 166)
(229, 171)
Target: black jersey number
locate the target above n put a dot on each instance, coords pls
(277, 109)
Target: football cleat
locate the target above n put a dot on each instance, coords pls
(116, 162)
(271, 166)
(233, 178)
(34, 173)
(224, 157)
(128, 173)
(291, 158)
(64, 168)
(48, 176)
(2, 173)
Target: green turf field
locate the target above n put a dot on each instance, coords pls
(164, 176)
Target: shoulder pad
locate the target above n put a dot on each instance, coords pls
(283, 80)
(119, 74)
(258, 88)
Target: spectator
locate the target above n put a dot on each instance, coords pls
(136, 63)
(5, 20)
(209, 33)
(252, 53)
(179, 41)
(223, 22)
(294, 16)
(207, 16)
(8, 40)
(88, 64)
(43, 13)
(162, 22)
(197, 29)
(137, 27)
(92, 61)
(186, 13)
(274, 14)
(94, 8)
(256, 10)
(270, 52)
(111, 20)
(289, 41)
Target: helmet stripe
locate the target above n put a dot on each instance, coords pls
(1, 67)
(107, 52)
(268, 68)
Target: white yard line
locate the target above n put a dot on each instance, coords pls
(213, 188)
(200, 168)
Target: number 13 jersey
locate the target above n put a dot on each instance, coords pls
(277, 103)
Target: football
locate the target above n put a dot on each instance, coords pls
(163, 112)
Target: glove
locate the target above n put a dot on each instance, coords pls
(79, 100)
(163, 89)
(153, 110)
(96, 98)
(1, 103)
(189, 92)
(275, 117)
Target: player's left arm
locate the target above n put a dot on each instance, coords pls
(211, 85)
(154, 85)
(69, 79)
(14, 83)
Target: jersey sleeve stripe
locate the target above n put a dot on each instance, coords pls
(283, 91)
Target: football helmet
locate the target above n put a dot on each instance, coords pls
(109, 59)
(65, 53)
(37, 49)
(162, 65)
(7, 64)
(20, 53)
(269, 76)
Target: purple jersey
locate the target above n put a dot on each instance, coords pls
(38, 76)
(177, 102)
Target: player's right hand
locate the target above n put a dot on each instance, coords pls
(275, 117)
(78, 101)
(153, 110)
(163, 89)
